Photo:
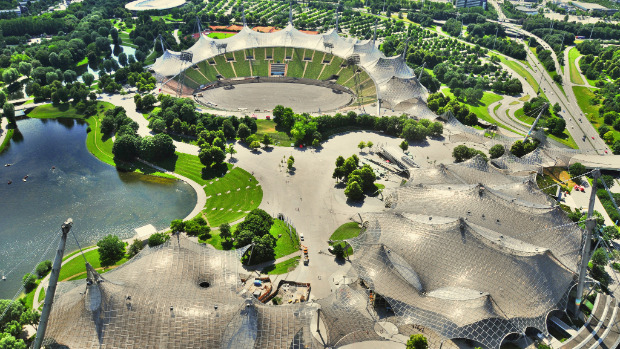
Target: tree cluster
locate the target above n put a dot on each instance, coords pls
(441, 104)
(16, 316)
(111, 250)
(255, 230)
(197, 226)
(359, 180)
(462, 153)
(520, 148)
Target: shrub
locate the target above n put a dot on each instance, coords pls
(43, 268)
(158, 239)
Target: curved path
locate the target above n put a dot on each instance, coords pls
(201, 200)
(35, 302)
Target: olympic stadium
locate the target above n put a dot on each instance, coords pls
(469, 254)
(331, 72)
(145, 5)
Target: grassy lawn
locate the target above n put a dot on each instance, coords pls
(575, 77)
(220, 35)
(76, 269)
(7, 139)
(283, 267)
(269, 127)
(232, 191)
(82, 62)
(346, 231)
(521, 71)
(286, 244)
(97, 144)
(150, 59)
(565, 138)
(583, 95)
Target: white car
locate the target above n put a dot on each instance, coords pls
(301, 237)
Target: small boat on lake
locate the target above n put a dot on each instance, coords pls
(7, 165)
(10, 181)
(25, 177)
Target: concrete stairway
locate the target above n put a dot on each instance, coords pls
(602, 329)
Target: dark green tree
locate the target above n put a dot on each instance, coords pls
(577, 169)
(111, 250)
(496, 151)
(354, 191)
(417, 341)
(125, 147)
(29, 282)
(43, 268)
(158, 239)
(135, 247)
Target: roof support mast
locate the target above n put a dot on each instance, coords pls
(337, 8)
(243, 14)
(290, 13)
(51, 289)
(585, 256)
(542, 110)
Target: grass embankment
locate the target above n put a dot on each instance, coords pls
(75, 269)
(344, 232)
(269, 127)
(584, 95)
(518, 68)
(220, 35)
(565, 138)
(283, 267)
(232, 192)
(7, 139)
(98, 144)
(575, 77)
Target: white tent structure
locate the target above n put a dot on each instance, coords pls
(397, 86)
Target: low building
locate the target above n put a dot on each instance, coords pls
(17, 11)
(527, 10)
(589, 7)
(471, 3)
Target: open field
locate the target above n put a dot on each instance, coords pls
(269, 127)
(282, 267)
(575, 77)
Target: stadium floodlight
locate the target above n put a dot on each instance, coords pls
(221, 47)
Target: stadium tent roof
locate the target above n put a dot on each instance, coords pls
(457, 278)
(144, 5)
(405, 91)
(156, 300)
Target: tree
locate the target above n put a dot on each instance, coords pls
(231, 150)
(30, 317)
(339, 250)
(496, 151)
(556, 107)
(229, 129)
(9, 342)
(125, 147)
(111, 250)
(148, 101)
(257, 221)
(369, 144)
(9, 111)
(290, 162)
(43, 268)
(608, 137)
(88, 79)
(225, 231)
(122, 59)
(135, 247)
(158, 125)
(158, 239)
(267, 140)
(263, 249)
(362, 145)
(599, 257)
(417, 341)
(354, 191)
(243, 132)
(3, 98)
(461, 153)
(25, 68)
(10, 75)
(404, 145)
(243, 237)
(254, 145)
(177, 226)
(577, 169)
(29, 282)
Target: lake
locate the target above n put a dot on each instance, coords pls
(100, 199)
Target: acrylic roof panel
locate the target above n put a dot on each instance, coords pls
(457, 278)
(156, 300)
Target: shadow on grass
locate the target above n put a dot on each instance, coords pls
(169, 164)
(218, 170)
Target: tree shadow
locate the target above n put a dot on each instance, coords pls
(340, 260)
(268, 149)
(355, 203)
(233, 160)
(340, 185)
(168, 164)
(215, 171)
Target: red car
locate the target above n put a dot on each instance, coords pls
(268, 117)
(592, 137)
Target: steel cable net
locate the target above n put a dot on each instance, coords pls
(348, 317)
(540, 225)
(459, 279)
(381, 69)
(177, 295)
